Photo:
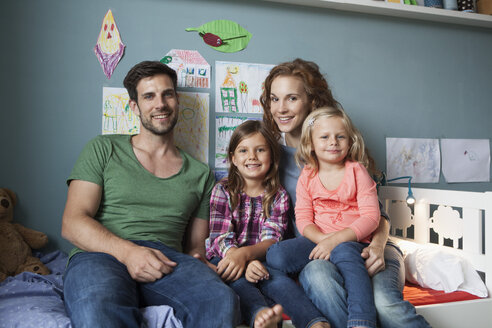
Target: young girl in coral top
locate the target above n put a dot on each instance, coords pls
(336, 210)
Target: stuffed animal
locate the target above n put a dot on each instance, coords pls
(16, 241)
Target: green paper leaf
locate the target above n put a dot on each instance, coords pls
(235, 37)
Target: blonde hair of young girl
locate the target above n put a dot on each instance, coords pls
(357, 151)
(271, 182)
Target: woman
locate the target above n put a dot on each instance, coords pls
(292, 90)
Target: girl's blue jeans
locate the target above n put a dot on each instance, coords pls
(323, 284)
(279, 288)
(292, 255)
(99, 292)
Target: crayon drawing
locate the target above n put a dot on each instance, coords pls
(238, 86)
(191, 132)
(224, 127)
(109, 48)
(192, 69)
(117, 117)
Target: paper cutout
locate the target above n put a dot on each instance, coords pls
(191, 133)
(109, 48)
(223, 35)
(224, 127)
(192, 69)
(419, 158)
(117, 117)
(238, 86)
(466, 160)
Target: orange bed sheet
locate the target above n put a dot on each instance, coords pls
(423, 296)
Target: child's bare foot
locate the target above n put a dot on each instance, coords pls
(321, 325)
(269, 317)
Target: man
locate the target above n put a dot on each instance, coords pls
(132, 201)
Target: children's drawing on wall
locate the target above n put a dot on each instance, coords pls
(466, 160)
(238, 86)
(223, 35)
(192, 69)
(117, 117)
(419, 158)
(109, 48)
(224, 126)
(191, 132)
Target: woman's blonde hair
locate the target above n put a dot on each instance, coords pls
(235, 181)
(357, 149)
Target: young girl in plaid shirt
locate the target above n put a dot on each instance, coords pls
(248, 214)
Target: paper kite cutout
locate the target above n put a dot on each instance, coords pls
(223, 35)
(109, 48)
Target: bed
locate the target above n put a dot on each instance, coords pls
(30, 300)
(455, 226)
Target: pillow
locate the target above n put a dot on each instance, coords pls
(433, 266)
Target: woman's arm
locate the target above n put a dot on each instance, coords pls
(374, 253)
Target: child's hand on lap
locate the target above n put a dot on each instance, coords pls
(256, 271)
(323, 250)
(232, 266)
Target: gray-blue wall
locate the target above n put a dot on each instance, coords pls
(395, 77)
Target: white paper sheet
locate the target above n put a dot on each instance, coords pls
(418, 158)
(466, 160)
(238, 86)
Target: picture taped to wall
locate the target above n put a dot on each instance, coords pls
(415, 157)
(238, 86)
(192, 69)
(224, 127)
(109, 48)
(191, 132)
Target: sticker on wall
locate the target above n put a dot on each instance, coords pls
(109, 48)
(192, 69)
(224, 127)
(419, 158)
(191, 133)
(238, 86)
(223, 35)
(466, 160)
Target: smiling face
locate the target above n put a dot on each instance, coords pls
(330, 140)
(289, 104)
(157, 104)
(252, 157)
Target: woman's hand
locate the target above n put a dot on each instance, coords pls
(232, 266)
(374, 255)
(256, 271)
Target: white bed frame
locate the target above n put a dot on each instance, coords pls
(475, 206)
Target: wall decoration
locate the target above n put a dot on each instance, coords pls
(223, 35)
(466, 160)
(238, 86)
(117, 117)
(109, 48)
(419, 158)
(190, 134)
(192, 69)
(224, 127)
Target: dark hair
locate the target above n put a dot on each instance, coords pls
(235, 182)
(315, 85)
(146, 69)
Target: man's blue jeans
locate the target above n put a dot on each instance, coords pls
(323, 284)
(99, 292)
(292, 256)
(280, 289)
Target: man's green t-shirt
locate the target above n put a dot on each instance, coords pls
(137, 205)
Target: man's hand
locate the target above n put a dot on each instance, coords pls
(147, 264)
(374, 256)
(256, 271)
(232, 266)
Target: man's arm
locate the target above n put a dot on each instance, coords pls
(374, 253)
(196, 234)
(81, 229)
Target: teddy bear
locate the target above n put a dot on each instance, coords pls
(17, 241)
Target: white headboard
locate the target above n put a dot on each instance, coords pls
(451, 214)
